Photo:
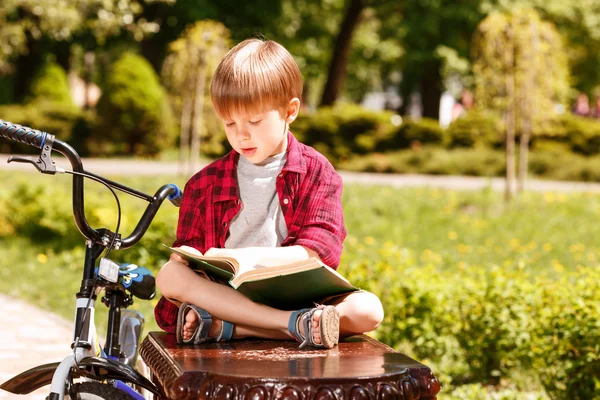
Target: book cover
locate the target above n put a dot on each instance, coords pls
(285, 287)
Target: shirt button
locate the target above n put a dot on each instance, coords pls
(239, 201)
(224, 224)
(281, 175)
(285, 201)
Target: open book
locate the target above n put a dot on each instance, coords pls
(286, 287)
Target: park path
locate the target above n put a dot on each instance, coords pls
(30, 336)
(110, 167)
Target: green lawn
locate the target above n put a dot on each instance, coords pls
(442, 232)
(543, 232)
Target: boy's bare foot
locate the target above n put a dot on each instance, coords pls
(191, 323)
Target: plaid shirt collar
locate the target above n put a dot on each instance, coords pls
(228, 189)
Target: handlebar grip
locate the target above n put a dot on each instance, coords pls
(176, 196)
(22, 134)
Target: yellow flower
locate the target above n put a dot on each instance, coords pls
(547, 246)
(369, 240)
(42, 258)
(452, 235)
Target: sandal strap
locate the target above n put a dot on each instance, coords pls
(293, 324)
(226, 332)
(202, 330)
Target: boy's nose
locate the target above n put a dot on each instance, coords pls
(242, 134)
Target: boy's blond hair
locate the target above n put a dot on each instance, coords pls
(255, 76)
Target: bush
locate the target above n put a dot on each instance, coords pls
(343, 130)
(133, 110)
(413, 133)
(431, 160)
(580, 135)
(55, 118)
(50, 85)
(486, 324)
(476, 129)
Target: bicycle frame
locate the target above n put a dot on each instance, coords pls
(88, 359)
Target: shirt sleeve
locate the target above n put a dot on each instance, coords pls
(322, 229)
(190, 231)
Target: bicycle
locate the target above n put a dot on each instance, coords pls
(107, 372)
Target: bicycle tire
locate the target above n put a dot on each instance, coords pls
(96, 391)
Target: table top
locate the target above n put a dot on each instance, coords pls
(359, 359)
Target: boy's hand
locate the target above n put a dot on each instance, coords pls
(187, 249)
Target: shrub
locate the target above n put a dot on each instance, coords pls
(55, 118)
(414, 133)
(133, 109)
(475, 129)
(50, 85)
(343, 130)
(581, 135)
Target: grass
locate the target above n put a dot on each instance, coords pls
(542, 232)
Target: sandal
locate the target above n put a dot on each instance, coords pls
(205, 321)
(329, 326)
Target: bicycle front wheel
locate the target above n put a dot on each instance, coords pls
(97, 391)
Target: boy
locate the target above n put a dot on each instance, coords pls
(270, 196)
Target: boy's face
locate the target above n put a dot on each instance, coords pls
(257, 136)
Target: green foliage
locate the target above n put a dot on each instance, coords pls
(520, 66)
(343, 130)
(133, 109)
(580, 135)
(51, 117)
(187, 72)
(476, 129)
(414, 133)
(50, 84)
(479, 290)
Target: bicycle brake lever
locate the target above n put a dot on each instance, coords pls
(44, 163)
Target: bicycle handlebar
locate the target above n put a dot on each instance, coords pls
(38, 139)
(22, 134)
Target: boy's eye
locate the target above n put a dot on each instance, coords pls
(256, 122)
(229, 124)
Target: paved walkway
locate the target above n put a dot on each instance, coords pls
(29, 337)
(113, 167)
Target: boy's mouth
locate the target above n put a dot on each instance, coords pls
(249, 152)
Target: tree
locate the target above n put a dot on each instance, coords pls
(133, 109)
(188, 71)
(29, 29)
(341, 50)
(422, 28)
(579, 23)
(520, 72)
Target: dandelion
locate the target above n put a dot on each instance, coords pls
(549, 197)
(42, 258)
(547, 247)
(452, 235)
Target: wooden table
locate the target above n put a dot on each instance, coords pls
(359, 368)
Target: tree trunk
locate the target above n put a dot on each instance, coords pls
(527, 112)
(89, 60)
(339, 61)
(184, 135)
(431, 91)
(510, 124)
(26, 67)
(198, 115)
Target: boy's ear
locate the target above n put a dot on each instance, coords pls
(292, 111)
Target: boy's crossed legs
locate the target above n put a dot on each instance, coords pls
(359, 312)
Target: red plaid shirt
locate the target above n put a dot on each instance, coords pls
(309, 193)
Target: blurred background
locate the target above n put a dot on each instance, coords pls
(499, 297)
